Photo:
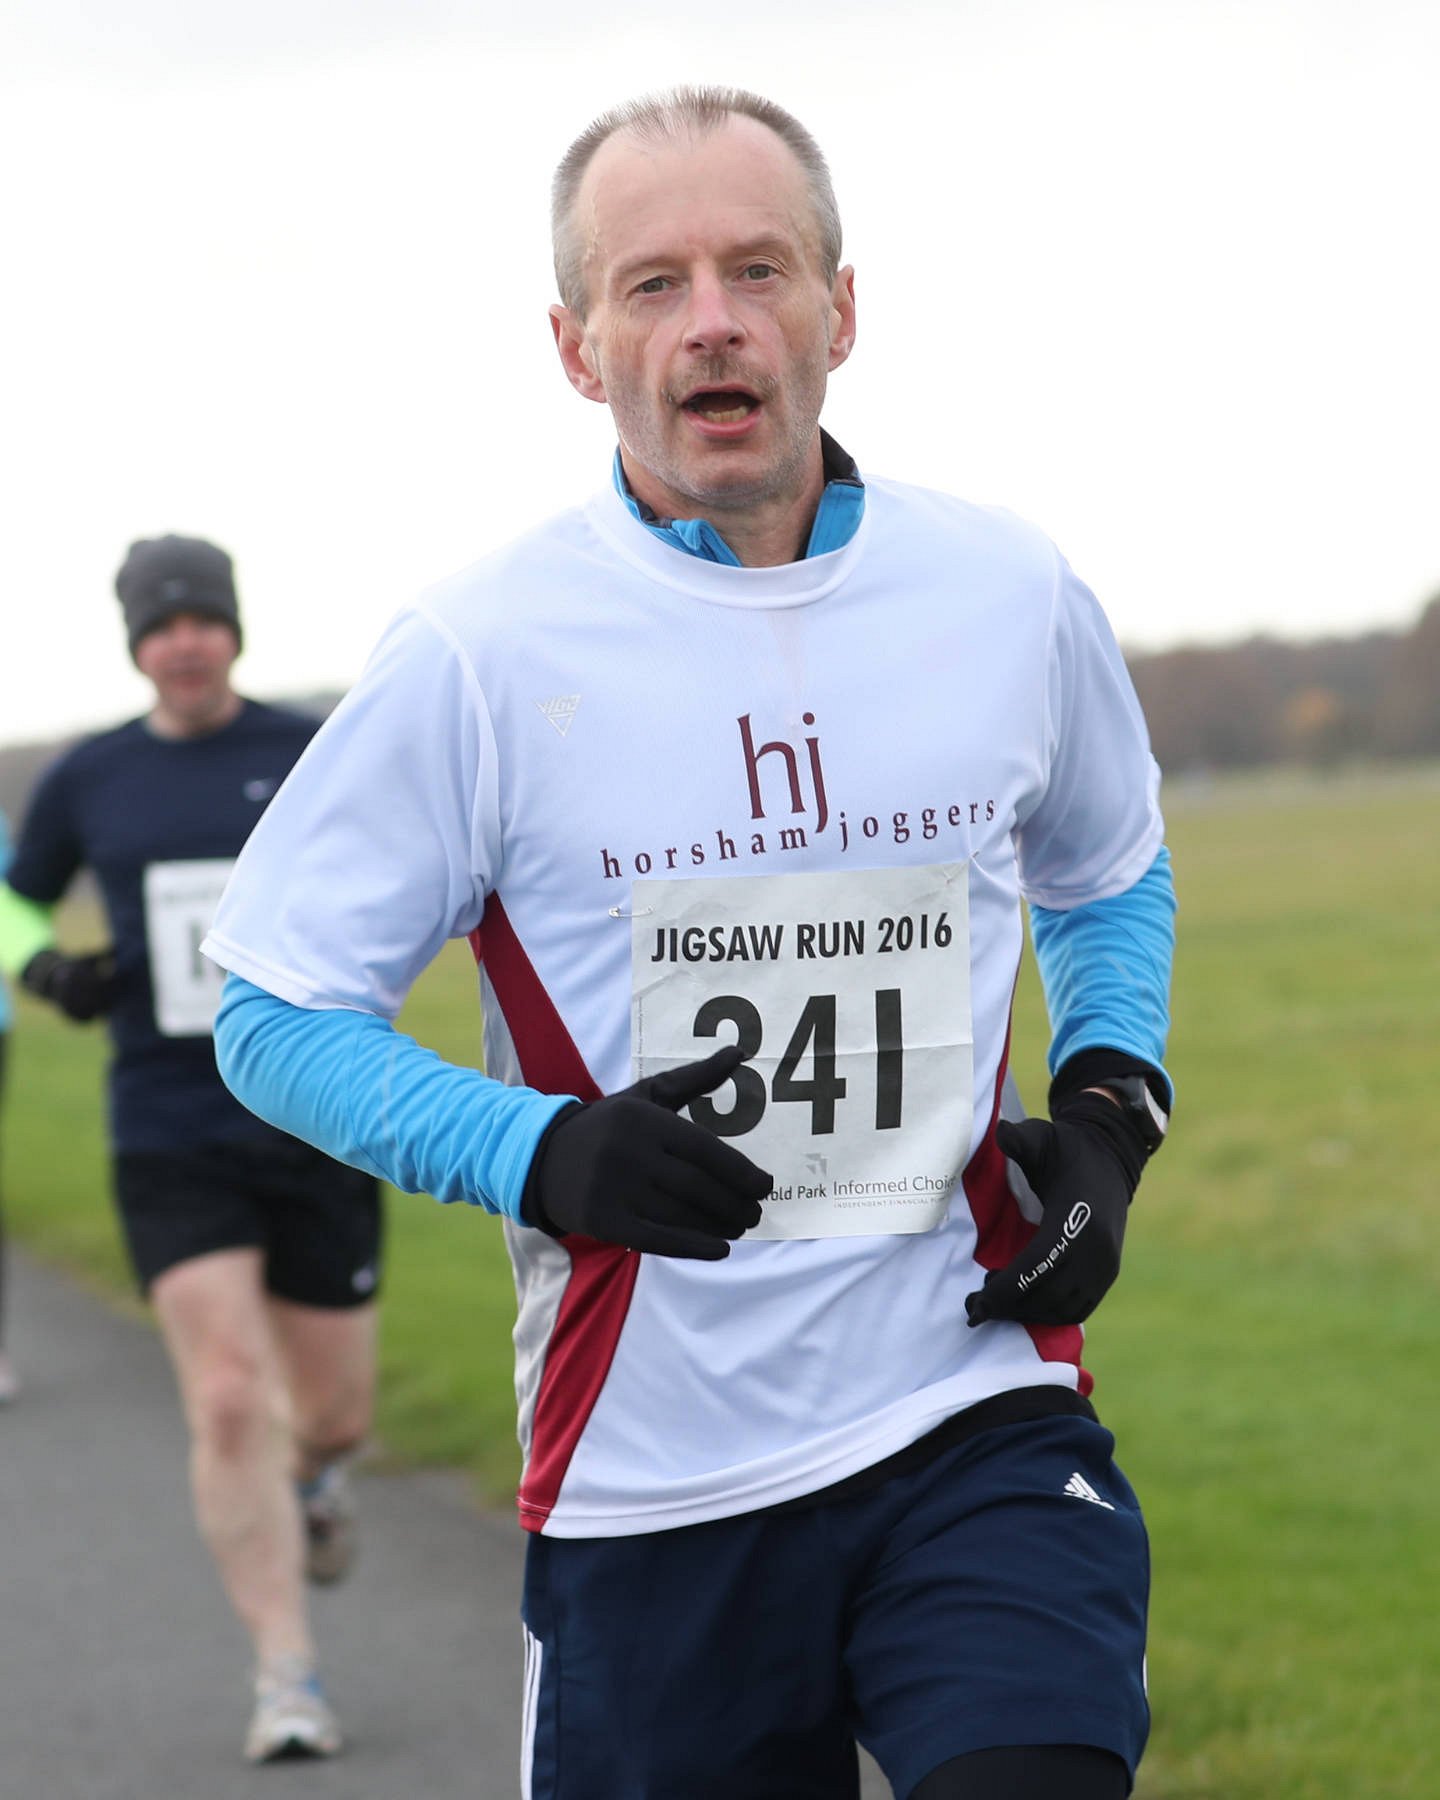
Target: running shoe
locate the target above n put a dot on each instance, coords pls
(328, 1506)
(292, 1717)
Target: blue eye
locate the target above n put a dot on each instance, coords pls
(655, 285)
(759, 272)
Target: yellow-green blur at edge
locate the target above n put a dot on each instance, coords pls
(25, 928)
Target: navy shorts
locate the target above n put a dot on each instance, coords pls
(995, 1596)
(317, 1221)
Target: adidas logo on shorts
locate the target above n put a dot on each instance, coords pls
(1080, 1489)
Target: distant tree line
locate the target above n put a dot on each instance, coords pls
(1231, 706)
(1237, 706)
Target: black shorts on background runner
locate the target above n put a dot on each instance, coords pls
(317, 1221)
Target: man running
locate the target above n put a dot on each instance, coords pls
(737, 776)
(259, 1254)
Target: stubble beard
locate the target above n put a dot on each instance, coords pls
(715, 479)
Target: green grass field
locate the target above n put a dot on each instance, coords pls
(1267, 1360)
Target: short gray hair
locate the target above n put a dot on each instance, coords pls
(696, 111)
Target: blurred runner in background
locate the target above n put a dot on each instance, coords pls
(259, 1254)
(9, 1381)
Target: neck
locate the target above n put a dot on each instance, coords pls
(194, 722)
(763, 533)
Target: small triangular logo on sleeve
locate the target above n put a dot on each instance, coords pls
(560, 711)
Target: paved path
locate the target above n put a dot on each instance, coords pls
(123, 1675)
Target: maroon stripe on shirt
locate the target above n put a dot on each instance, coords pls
(1002, 1231)
(596, 1300)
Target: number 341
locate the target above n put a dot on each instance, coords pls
(812, 1038)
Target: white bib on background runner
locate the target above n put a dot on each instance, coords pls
(180, 903)
(849, 995)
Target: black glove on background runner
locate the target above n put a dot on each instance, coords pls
(1084, 1165)
(83, 987)
(628, 1171)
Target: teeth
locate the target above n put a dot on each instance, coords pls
(730, 415)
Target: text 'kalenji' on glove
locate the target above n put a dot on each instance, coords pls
(1084, 1166)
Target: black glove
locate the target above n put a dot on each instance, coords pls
(83, 987)
(1084, 1167)
(626, 1170)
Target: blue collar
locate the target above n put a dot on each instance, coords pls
(837, 517)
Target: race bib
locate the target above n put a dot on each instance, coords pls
(180, 903)
(849, 995)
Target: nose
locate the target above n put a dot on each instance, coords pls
(713, 323)
(185, 632)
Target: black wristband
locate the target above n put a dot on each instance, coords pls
(1096, 1068)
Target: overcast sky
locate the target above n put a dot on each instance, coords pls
(1159, 275)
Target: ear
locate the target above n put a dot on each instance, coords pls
(842, 316)
(577, 356)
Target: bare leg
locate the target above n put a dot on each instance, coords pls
(216, 1324)
(327, 1359)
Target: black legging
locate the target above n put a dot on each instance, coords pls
(1028, 1772)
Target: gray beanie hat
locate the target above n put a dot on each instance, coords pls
(164, 576)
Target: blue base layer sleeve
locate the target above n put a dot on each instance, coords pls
(355, 1087)
(1106, 970)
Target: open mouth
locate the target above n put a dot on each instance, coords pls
(722, 406)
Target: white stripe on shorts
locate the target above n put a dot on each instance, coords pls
(534, 1657)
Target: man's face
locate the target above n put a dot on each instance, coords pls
(711, 328)
(188, 661)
